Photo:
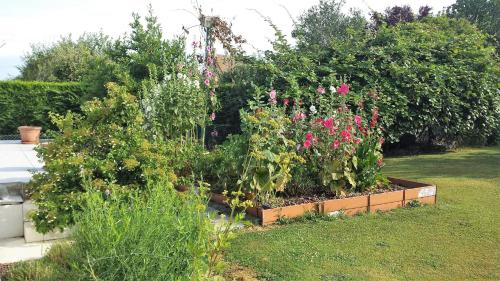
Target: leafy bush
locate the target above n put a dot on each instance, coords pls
(436, 79)
(29, 103)
(108, 145)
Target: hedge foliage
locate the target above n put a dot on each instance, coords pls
(435, 81)
(29, 103)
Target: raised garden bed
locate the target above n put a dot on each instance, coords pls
(385, 201)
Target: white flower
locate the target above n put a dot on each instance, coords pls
(168, 77)
(332, 89)
(180, 75)
(313, 109)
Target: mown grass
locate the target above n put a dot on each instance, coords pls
(458, 239)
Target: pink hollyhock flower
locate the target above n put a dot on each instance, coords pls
(346, 135)
(286, 102)
(207, 82)
(299, 116)
(335, 144)
(328, 123)
(210, 74)
(374, 118)
(380, 162)
(212, 116)
(309, 136)
(272, 94)
(357, 141)
(320, 90)
(272, 97)
(332, 131)
(343, 89)
(210, 60)
(358, 120)
(307, 144)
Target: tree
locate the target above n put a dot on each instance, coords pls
(324, 22)
(64, 60)
(483, 13)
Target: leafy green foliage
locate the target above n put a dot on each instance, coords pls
(435, 81)
(107, 145)
(29, 103)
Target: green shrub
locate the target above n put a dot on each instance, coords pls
(436, 80)
(164, 235)
(108, 145)
(29, 103)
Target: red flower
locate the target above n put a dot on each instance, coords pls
(336, 144)
(343, 89)
(346, 135)
(380, 162)
(307, 144)
(309, 136)
(328, 123)
(286, 102)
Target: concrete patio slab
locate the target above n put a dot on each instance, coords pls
(17, 161)
(16, 249)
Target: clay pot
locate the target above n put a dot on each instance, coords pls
(30, 134)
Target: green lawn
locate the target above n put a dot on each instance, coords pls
(458, 239)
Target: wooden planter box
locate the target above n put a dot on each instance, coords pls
(414, 191)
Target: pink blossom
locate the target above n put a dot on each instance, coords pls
(210, 74)
(320, 90)
(212, 94)
(207, 82)
(374, 118)
(357, 141)
(212, 116)
(309, 136)
(286, 102)
(346, 135)
(210, 60)
(299, 116)
(380, 162)
(307, 144)
(381, 141)
(358, 120)
(328, 123)
(335, 144)
(343, 89)
(272, 97)
(194, 44)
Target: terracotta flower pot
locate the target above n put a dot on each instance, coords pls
(30, 134)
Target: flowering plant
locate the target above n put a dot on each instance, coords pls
(341, 147)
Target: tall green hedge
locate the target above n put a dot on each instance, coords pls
(29, 103)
